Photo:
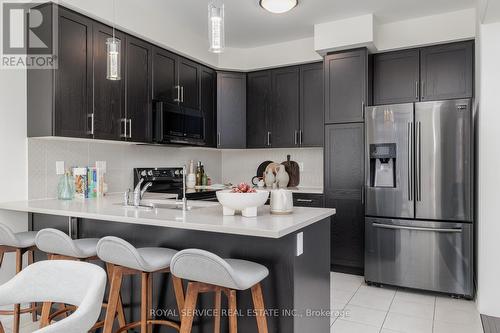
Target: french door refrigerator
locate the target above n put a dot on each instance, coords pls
(419, 185)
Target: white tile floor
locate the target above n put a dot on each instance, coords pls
(363, 309)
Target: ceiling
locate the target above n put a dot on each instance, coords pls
(248, 25)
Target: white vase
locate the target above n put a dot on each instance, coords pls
(282, 177)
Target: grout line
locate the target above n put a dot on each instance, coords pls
(343, 308)
(387, 313)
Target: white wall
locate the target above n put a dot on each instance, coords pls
(13, 166)
(488, 169)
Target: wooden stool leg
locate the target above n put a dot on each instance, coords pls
(17, 307)
(217, 309)
(233, 315)
(150, 302)
(179, 293)
(1, 257)
(114, 296)
(189, 307)
(44, 319)
(119, 307)
(258, 304)
(144, 301)
(34, 314)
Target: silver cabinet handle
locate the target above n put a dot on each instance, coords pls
(401, 227)
(218, 139)
(91, 116)
(300, 137)
(182, 94)
(295, 137)
(419, 161)
(305, 200)
(130, 128)
(178, 99)
(123, 121)
(416, 90)
(268, 138)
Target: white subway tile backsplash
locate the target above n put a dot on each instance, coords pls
(222, 166)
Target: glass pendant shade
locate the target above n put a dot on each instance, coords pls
(114, 60)
(216, 27)
(278, 6)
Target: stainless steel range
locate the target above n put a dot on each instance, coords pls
(419, 196)
(169, 180)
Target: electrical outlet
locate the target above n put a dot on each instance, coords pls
(301, 166)
(59, 167)
(300, 244)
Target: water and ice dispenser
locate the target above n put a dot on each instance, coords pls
(383, 165)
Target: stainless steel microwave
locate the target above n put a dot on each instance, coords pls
(176, 125)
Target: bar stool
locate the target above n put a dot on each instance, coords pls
(18, 243)
(210, 273)
(128, 260)
(59, 246)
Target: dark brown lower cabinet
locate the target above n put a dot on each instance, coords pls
(344, 178)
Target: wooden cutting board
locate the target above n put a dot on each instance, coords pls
(293, 170)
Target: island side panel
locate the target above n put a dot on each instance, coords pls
(298, 283)
(312, 280)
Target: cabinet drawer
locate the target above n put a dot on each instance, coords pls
(307, 200)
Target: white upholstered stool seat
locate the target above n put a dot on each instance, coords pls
(117, 251)
(16, 239)
(207, 272)
(203, 266)
(54, 241)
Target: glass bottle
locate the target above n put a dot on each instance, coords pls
(66, 187)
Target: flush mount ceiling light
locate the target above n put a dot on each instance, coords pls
(278, 6)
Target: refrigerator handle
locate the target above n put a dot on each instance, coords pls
(410, 161)
(401, 227)
(419, 162)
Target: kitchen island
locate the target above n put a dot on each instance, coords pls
(295, 248)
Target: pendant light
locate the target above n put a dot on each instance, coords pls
(216, 26)
(113, 46)
(278, 6)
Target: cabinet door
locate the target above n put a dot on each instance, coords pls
(208, 94)
(446, 71)
(231, 110)
(109, 95)
(346, 76)
(73, 97)
(396, 77)
(189, 80)
(165, 76)
(344, 177)
(311, 105)
(284, 113)
(138, 91)
(258, 108)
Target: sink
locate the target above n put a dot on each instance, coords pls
(151, 206)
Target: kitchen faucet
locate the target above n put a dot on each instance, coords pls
(139, 193)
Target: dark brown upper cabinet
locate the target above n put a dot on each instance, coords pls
(346, 86)
(396, 77)
(258, 109)
(60, 101)
(189, 80)
(311, 105)
(446, 71)
(109, 95)
(231, 110)
(208, 83)
(138, 105)
(165, 77)
(285, 107)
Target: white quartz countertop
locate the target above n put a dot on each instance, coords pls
(204, 216)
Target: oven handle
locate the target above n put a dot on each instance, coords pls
(401, 227)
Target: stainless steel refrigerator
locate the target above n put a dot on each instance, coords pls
(419, 196)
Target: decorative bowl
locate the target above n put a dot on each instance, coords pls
(246, 203)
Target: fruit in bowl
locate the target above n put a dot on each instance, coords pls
(242, 198)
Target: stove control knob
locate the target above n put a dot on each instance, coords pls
(150, 173)
(143, 173)
(177, 172)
